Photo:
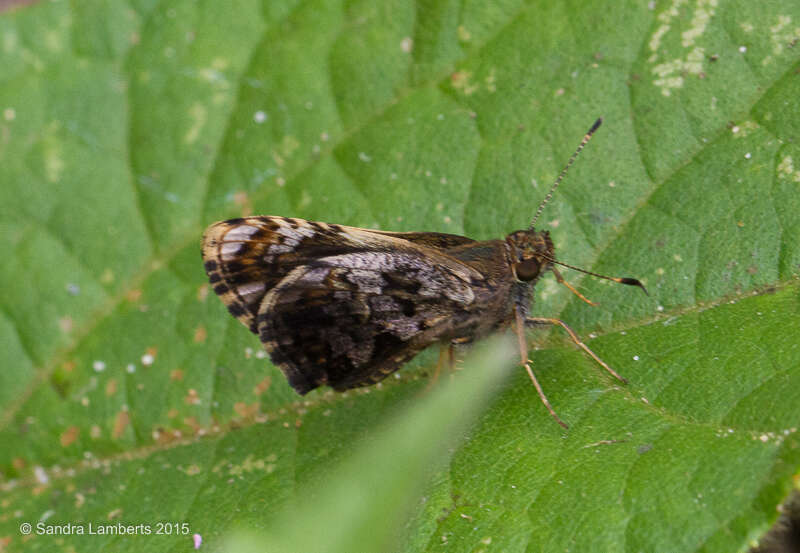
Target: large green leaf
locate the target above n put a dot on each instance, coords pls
(128, 395)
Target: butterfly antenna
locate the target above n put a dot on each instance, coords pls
(586, 139)
(624, 280)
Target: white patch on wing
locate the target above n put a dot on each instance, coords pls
(250, 288)
(241, 232)
(296, 234)
(368, 282)
(230, 249)
(315, 276)
(369, 261)
(280, 248)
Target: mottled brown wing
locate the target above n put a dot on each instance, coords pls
(336, 305)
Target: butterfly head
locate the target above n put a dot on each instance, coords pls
(531, 253)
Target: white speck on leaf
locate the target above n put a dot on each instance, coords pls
(41, 475)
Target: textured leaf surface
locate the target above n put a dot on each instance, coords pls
(128, 395)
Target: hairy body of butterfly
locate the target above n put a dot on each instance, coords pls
(345, 307)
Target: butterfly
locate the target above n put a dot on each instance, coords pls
(346, 307)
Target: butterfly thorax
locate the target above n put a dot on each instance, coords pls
(510, 268)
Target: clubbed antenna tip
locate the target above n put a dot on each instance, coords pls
(633, 282)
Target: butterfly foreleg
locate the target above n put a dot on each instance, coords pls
(447, 352)
(545, 321)
(519, 329)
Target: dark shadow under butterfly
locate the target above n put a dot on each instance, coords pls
(346, 307)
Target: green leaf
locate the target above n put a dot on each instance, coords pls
(130, 398)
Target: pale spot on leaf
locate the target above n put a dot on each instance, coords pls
(262, 386)
(191, 397)
(461, 80)
(245, 410)
(202, 292)
(149, 357)
(65, 324)
(120, 424)
(69, 436)
(198, 115)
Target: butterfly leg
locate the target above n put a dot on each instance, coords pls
(523, 352)
(451, 357)
(541, 321)
(449, 351)
(560, 280)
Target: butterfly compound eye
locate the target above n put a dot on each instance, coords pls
(527, 269)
